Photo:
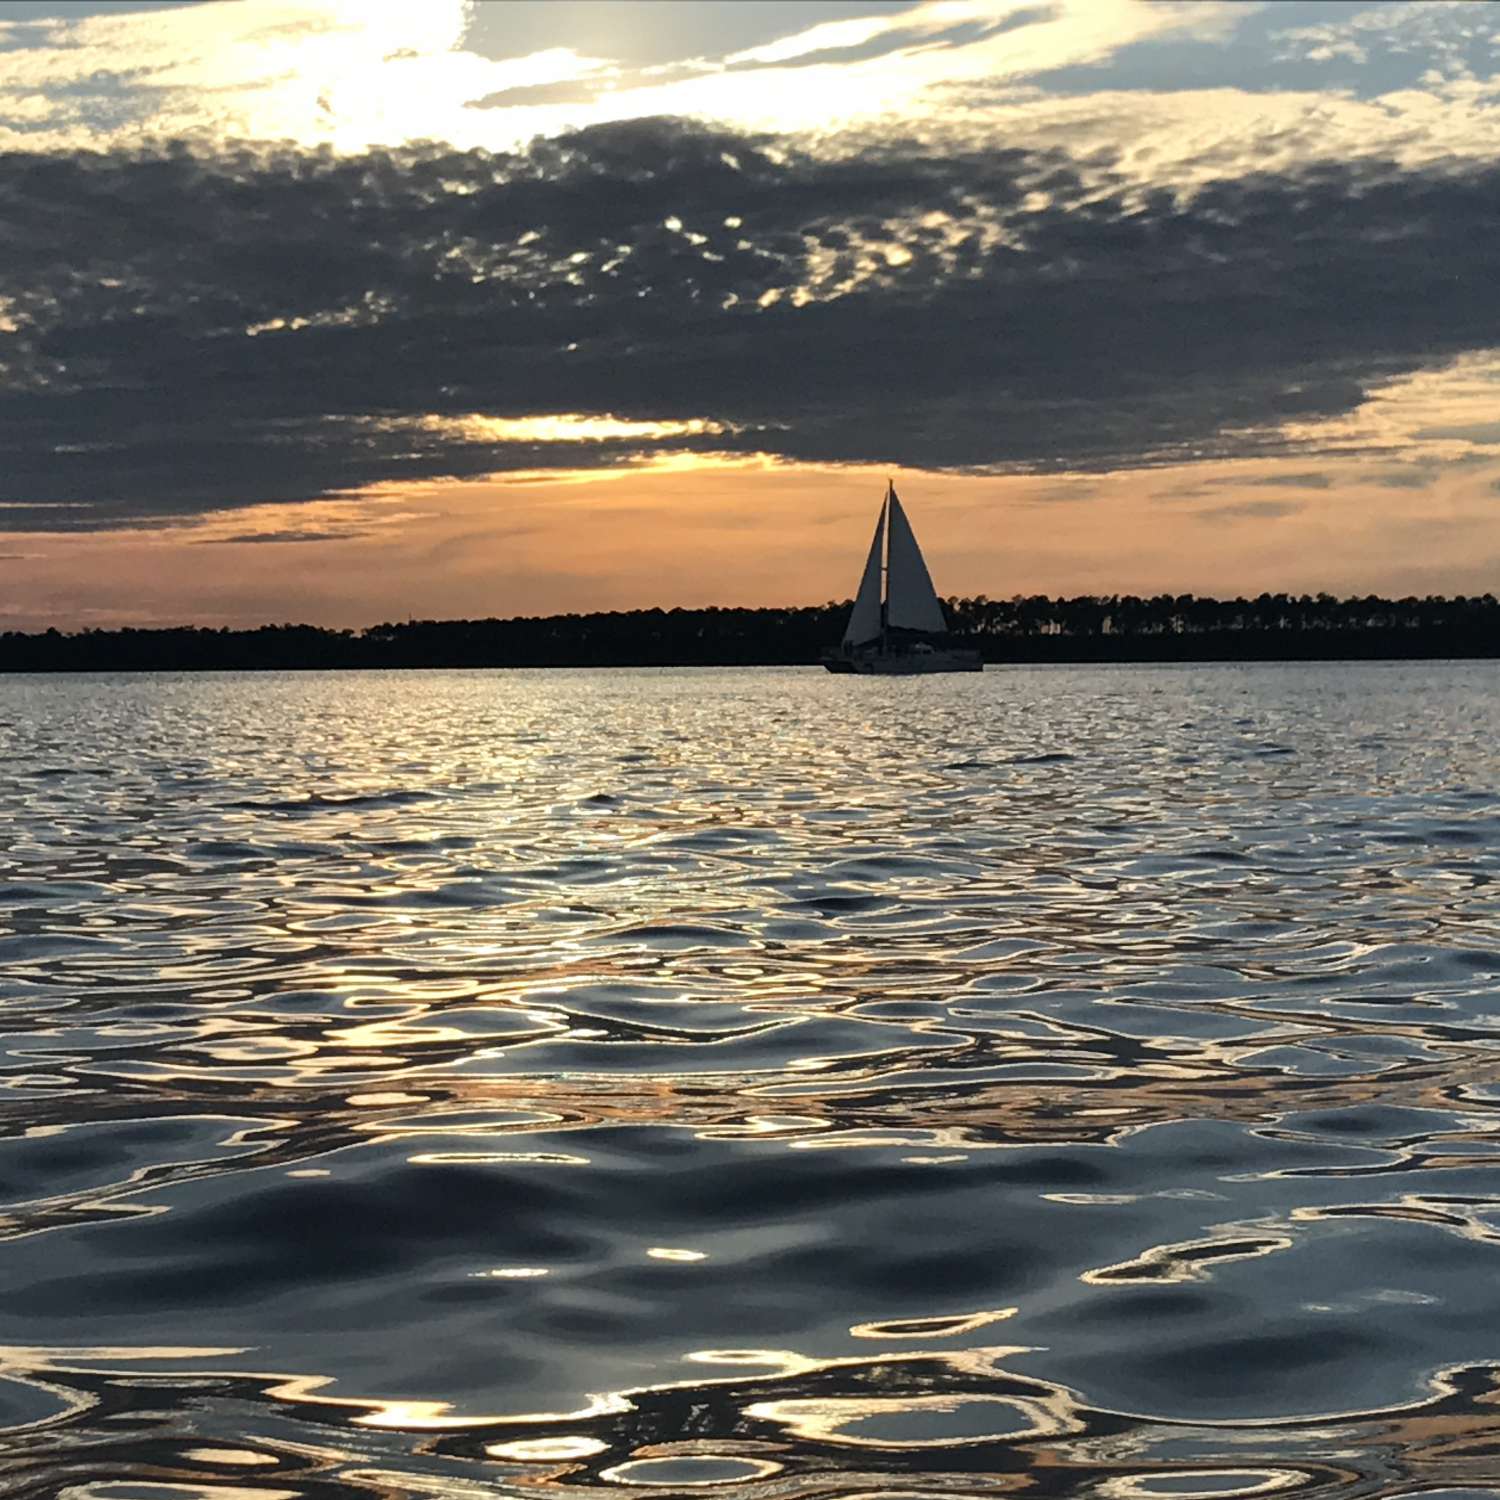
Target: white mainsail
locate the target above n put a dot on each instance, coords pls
(911, 601)
(864, 618)
(895, 607)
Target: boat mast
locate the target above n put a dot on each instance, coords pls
(885, 566)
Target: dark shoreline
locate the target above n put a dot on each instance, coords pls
(1036, 631)
(1068, 653)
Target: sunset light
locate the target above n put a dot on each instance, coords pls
(749, 748)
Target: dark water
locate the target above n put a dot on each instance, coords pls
(1061, 1082)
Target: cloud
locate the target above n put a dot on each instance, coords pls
(1414, 477)
(1063, 490)
(192, 330)
(1265, 510)
(860, 38)
(1300, 481)
(1194, 86)
(1453, 39)
(340, 72)
(354, 75)
(1207, 489)
(262, 537)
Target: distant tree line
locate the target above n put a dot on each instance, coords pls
(1112, 627)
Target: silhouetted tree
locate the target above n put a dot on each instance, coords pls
(1116, 627)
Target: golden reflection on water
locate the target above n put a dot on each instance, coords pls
(992, 1418)
(671, 1081)
(932, 1328)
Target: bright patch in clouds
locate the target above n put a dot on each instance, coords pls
(1446, 415)
(356, 73)
(572, 427)
(347, 73)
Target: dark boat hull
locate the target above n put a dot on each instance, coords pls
(903, 663)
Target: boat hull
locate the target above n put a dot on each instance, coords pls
(903, 663)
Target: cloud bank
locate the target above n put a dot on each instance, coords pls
(194, 330)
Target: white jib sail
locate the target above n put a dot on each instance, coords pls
(912, 602)
(864, 618)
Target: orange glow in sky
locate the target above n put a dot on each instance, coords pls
(345, 312)
(745, 532)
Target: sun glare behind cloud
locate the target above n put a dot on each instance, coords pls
(572, 427)
(352, 74)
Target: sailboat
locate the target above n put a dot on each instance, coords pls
(896, 626)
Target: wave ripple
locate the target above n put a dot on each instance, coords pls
(1076, 1081)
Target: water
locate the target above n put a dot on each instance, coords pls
(1067, 1081)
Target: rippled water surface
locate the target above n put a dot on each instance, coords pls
(1061, 1082)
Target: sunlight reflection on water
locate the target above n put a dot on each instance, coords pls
(1078, 1080)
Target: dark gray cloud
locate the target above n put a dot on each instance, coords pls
(264, 537)
(195, 333)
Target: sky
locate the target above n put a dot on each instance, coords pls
(347, 311)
